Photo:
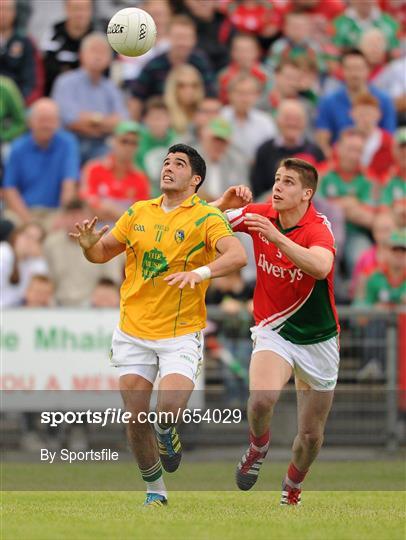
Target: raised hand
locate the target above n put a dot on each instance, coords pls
(234, 197)
(87, 236)
(261, 224)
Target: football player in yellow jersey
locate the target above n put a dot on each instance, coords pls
(174, 244)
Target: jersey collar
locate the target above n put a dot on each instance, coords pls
(344, 175)
(308, 217)
(187, 203)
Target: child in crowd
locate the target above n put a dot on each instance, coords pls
(155, 139)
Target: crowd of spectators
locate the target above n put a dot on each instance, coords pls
(247, 82)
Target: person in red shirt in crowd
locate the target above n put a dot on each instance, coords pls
(322, 13)
(320, 8)
(259, 17)
(377, 154)
(397, 9)
(245, 54)
(393, 192)
(112, 184)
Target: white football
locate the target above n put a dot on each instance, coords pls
(131, 32)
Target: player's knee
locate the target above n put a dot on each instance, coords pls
(311, 439)
(135, 399)
(263, 403)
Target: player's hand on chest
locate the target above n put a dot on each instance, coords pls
(271, 251)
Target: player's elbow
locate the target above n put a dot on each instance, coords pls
(95, 259)
(322, 271)
(240, 258)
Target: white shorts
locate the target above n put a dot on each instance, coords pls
(316, 364)
(145, 357)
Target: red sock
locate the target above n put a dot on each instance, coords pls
(260, 441)
(295, 475)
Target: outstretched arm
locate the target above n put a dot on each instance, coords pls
(96, 247)
(232, 257)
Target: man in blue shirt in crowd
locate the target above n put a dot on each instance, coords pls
(334, 109)
(91, 104)
(42, 170)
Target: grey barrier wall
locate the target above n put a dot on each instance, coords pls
(369, 406)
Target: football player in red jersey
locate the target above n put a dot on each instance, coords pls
(296, 326)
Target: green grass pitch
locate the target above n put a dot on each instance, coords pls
(200, 515)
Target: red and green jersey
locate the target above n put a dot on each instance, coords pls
(232, 71)
(335, 185)
(284, 48)
(348, 29)
(297, 306)
(393, 191)
(380, 288)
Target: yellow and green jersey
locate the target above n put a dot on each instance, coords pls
(158, 244)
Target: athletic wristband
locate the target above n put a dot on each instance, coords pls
(203, 271)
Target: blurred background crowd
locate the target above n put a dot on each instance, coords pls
(248, 82)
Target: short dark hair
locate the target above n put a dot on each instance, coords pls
(307, 173)
(352, 52)
(106, 282)
(182, 19)
(155, 103)
(284, 62)
(196, 161)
